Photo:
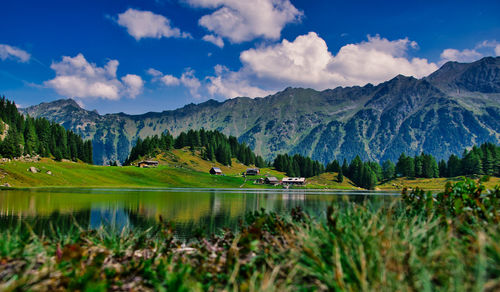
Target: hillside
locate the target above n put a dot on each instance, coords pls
(178, 168)
(452, 109)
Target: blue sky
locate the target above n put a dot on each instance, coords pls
(154, 55)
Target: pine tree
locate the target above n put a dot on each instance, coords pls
(443, 169)
(10, 145)
(340, 176)
(388, 170)
(488, 163)
(419, 165)
(454, 166)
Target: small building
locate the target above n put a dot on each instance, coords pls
(147, 164)
(294, 180)
(272, 180)
(215, 171)
(252, 171)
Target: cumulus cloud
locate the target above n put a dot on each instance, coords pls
(187, 79)
(10, 52)
(133, 85)
(146, 24)
(460, 56)
(307, 62)
(232, 84)
(216, 40)
(154, 72)
(170, 80)
(76, 77)
(482, 49)
(241, 21)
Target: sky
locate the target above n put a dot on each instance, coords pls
(155, 55)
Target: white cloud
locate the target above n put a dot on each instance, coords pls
(133, 85)
(154, 72)
(76, 77)
(170, 80)
(216, 40)
(232, 84)
(460, 56)
(10, 52)
(307, 62)
(241, 21)
(146, 24)
(482, 49)
(191, 82)
(187, 79)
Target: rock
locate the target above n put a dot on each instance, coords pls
(33, 169)
(49, 172)
(7, 185)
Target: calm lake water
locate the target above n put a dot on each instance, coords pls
(188, 209)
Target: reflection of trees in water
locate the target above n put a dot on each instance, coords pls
(208, 212)
(55, 222)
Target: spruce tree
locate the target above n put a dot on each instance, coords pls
(388, 170)
(340, 176)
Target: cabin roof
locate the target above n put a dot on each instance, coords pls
(216, 169)
(149, 162)
(272, 178)
(294, 179)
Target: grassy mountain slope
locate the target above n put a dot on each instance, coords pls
(452, 109)
(178, 168)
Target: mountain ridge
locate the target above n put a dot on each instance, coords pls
(451, 109)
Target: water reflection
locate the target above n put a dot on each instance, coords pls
(187, 209)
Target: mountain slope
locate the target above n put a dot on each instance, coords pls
(453, 108)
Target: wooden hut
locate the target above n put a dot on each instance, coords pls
(294, 180)
(147, 164)
(252, 171)
(215, 171)
(271, 180)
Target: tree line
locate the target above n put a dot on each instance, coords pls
(482, 160)
(214, 146)
(298, 165)
(26, 135)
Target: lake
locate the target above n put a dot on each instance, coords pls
(189, 210)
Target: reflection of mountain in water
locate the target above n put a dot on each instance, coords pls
(114, 219)
(189, 211)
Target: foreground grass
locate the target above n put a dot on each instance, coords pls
(408, 246)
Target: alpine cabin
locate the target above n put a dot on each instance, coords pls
(147, 164)
(215, 171)
(294, 181)
(252, 171)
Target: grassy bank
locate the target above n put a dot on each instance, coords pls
(179, 168)
(400, 183)
(175, 171)
(407, 246)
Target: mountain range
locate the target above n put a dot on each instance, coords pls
(453, 108)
